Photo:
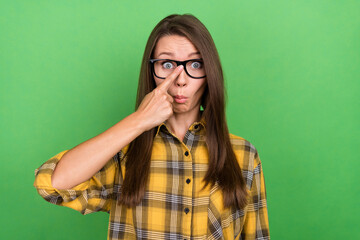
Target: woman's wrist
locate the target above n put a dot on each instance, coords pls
(139, 122)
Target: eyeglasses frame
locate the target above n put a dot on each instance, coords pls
(178, 63)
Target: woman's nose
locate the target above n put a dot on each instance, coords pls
(181, 79)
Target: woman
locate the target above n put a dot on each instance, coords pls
(169, 170)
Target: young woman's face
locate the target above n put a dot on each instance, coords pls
(185, 90)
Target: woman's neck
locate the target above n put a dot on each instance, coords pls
(179, 123)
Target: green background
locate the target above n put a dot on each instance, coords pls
(69, 71)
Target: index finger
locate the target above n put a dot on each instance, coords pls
(170, 79)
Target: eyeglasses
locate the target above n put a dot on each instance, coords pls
(164, 67)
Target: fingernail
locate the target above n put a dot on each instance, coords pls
(181, 67)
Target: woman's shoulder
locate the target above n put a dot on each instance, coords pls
(240, 142)
(246, 153)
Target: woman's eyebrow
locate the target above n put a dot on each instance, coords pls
(171, 54)
(194, 53)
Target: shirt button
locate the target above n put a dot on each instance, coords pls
(186, 210)
(186, 153)
(188, 180)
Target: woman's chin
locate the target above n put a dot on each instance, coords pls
(180, 108)
(184, 108)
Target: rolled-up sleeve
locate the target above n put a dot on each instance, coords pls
(93, 195)
(256, 224)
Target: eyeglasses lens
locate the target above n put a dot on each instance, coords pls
(164, 68)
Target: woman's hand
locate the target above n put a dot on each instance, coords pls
(156, 107)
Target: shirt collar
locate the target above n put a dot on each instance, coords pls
(193, 127)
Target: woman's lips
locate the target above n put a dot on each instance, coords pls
(180, 99)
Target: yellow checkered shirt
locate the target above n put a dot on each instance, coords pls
(173, 206)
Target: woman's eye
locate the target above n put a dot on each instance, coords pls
(168, 65)
(196, 65)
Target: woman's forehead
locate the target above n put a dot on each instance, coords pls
(175, 46)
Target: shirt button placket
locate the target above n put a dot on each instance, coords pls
(188, 188)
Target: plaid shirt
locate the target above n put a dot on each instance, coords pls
(173, 206)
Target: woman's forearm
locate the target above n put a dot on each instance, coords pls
(83, 161)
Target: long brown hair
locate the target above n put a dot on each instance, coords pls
(223, 165)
